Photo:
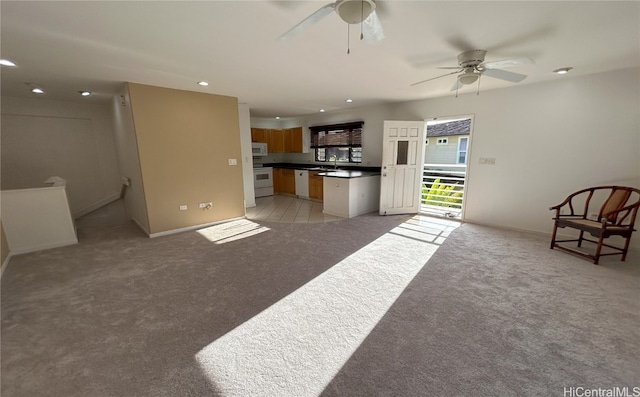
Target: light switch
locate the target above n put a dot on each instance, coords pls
(233, 162)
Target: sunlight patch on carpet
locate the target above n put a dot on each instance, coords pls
(296, 346)
(231, 231)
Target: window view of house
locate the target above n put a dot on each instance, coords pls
(445, 167)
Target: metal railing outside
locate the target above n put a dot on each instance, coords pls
(443, 189)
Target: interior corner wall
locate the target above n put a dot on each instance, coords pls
(128, 160)
(247, 155)
(185, 141)
(73, 140)
(548, 140)
(4, 246)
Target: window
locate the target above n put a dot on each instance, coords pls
(442, 141)
(462, 150)
(338, 142)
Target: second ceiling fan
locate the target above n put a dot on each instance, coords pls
(471, 66)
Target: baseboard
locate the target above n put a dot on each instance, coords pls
(144, 230)
(5, 263)
(97, 205)
(196, 227)
(43, 247)
(515, 229)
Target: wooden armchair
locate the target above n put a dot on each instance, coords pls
(616, 217)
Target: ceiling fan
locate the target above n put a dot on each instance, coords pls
(353, 12)
(471, 66)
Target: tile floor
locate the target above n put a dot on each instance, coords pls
(288, 209)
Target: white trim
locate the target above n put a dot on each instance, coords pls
(466, 152)
(189, 228)
(44, 247)
(5, 263)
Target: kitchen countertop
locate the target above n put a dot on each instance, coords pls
(348, 171)
(348, 174)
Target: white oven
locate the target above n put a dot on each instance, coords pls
(263, 181)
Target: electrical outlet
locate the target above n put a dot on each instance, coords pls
(205, 206)
(488, 160)
(233, 162)
(183, 208)
(592, 216)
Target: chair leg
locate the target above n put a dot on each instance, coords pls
(580, 238)
(553, 235)
(598, 249)
(626, 248)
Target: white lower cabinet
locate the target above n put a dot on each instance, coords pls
(349, 197)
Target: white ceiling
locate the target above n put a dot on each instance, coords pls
(66, 47)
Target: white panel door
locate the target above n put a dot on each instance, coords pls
(402, 158)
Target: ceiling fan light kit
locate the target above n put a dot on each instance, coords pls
(352, 12)
(355, 11)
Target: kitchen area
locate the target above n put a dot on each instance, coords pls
(343, 188)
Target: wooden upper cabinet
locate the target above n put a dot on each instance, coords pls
(279, 141)
(276, 143)
(259, 135)
(293, 140)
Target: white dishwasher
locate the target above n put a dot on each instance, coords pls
(302, 183)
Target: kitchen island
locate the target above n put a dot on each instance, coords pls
(349, 193)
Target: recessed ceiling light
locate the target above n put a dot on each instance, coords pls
(322, 110)
(349, 100)
(85, 93)
(203, 83)
(562, 70)
(37, 90)
(277, 117)
(6, 62)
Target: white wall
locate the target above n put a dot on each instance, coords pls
(128, 160)
(548, 139)
(73, 140)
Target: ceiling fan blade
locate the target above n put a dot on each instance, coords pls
(505, 63)
(433, 78)
(504, 75)
(457, 85)
(372, 28)
(307, 22)
(449, 67)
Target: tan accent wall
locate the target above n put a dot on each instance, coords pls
(185, 140)
(4, 247)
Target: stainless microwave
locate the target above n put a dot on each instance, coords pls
(259, 149)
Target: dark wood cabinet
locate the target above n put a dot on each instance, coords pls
(316, 189)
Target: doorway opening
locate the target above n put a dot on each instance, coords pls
(444, 174)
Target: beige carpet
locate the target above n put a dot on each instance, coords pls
(384, 306)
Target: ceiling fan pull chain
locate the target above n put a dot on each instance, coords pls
(479, 77)
(361, 18)
(348, 49)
